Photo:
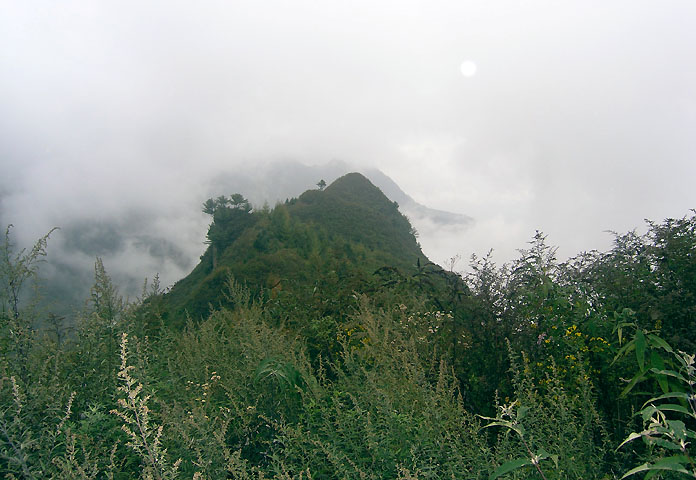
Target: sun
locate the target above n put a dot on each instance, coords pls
(468, 68)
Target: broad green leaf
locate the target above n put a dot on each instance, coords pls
(670, 373)
(654, 339)
(662, 443)
(632, 437)
(625, 350)
(668, 461)
(678, 428)
(656, 361)
(648, 412)
(499, 423)
(674, 464)
(640, 468)
(657, 364)
(641, 345)
(682, 395)
(510, 466)
(676, 408)
(519, 429)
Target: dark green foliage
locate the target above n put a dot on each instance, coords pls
(672, 249)
(548, 420)
(327, 240)
(333, 355)
(231, 217)
(353, 209)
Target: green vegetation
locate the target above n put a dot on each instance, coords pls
(317, 249)
(318, 342)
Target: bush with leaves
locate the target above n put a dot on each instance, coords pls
(548, 429)
(669, 416)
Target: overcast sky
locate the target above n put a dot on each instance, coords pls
(572, 117)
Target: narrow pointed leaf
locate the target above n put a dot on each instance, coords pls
(510, 466)
(641, 345)
(670, 373)
(660, 342)
(657, 363)
(682, 395)
(673, 464)
(676, 408)
(625, 350)
(632, 437)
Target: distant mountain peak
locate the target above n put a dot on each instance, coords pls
(414, 210)
(352, 177)
(356, 188)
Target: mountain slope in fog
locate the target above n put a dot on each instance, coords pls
(135, 244)
(333, 239)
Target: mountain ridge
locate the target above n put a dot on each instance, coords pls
(339, 235)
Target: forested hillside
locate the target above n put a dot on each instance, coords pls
(314, 340)
(326, 244)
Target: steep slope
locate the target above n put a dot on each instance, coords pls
(326, 241)
(353, 209)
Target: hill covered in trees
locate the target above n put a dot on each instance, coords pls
(314, 340)
(326, 243)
